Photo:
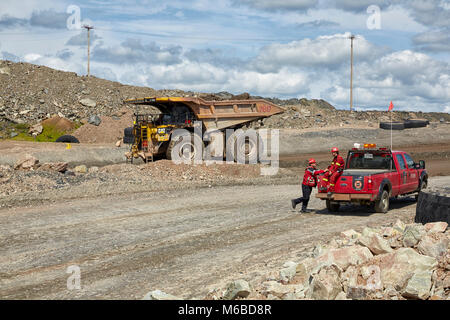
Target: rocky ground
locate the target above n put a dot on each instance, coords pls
(396, 261)
(192, 242)
(25, 182)
(216, 227)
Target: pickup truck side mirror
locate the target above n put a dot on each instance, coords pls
(421, 164)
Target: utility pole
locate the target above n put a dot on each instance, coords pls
(352, 37)
(88, 28)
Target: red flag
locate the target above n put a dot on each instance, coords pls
(391, 106)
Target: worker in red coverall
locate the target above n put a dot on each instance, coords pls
(309, 182)
(334, 171)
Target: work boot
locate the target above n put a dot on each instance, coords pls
(305, 210)
(293, 203)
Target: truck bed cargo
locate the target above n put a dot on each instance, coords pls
(215, 114)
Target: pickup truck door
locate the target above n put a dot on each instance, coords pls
(403, 173)
(413, 178)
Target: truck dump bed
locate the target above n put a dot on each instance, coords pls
(214, 114)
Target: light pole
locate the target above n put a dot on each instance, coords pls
(352, 37)
(88, 28)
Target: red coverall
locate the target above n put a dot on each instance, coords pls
(309, 182)
(334, 172)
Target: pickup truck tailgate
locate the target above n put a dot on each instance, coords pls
(356, 181)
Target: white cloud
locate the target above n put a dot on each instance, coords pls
(413, 80)
(328, 52)
(433, 41)
(24, 9)
(32, 57)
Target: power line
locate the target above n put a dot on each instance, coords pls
(160, 35)
(174, 36)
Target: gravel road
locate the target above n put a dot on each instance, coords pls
(181, 242)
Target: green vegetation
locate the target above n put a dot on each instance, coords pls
(49, 133)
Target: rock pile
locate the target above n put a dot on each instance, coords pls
(318, 113)
(29, 175)
(394, 262)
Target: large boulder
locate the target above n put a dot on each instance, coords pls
(325, 284)
(436, 226)
(285, 292)
(81, 169)
(350, 234)
(399, 226)
(159, 295)
(412, 234)
(95, 120)
(376, 243)
(54, 166)
(434, 245)
(344, 257)
(419, 285)
(5, 70)
(288, 272)
(26, 162)
(87, 102)
(303, 270)
(36, 129)
(237, 288)
(398, 267)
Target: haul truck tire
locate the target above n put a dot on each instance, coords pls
(415, 123)
(67, 139)
(242, 149)
(395, 125)
(382, 205)
(178, 145)
(128, 136)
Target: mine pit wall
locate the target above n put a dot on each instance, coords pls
(293, 142)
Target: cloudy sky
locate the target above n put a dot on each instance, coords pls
(283, 48)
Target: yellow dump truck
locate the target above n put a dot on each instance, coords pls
(155, 133)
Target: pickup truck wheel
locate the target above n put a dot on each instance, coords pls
(332, 206)
(382, 205)
(423, 185)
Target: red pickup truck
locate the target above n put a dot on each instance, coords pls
(372, 176)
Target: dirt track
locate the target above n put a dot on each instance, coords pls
(182, 242)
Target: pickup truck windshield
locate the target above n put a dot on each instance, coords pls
(369, 160)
